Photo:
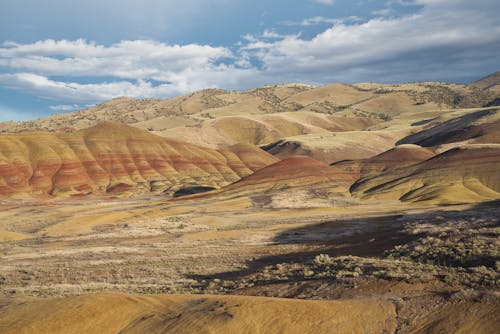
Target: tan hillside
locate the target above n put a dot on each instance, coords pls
(368, 100)
(337, 146)
(461, 175)
(115, 158)
(263, 129)
(489, 81)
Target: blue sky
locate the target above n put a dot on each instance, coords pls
(57, 55)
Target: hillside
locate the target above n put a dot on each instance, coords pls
(397, 157)
(489, 81)
(116, 158)
(194, 116)
(121, 313)
(464, 174)
(478, 127)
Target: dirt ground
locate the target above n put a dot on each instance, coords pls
(151, 245)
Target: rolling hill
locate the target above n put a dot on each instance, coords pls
(116, 158)
(399, 156)
(464, 174)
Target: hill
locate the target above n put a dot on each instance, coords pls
(397, 157)
(464, 174)
(373, 101)
(488, 81)
(116, 158)
(478, 127)
(335, 146)
(295, 182)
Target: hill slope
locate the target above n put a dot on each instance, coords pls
(488, 81)
(461, 175)
(397, 157)
(116, 158)
(120, 313)
(295, 182)
(478, 127)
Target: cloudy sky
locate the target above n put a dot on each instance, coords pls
(57, 55)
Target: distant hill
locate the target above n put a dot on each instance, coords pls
(213, 138)
(489, 81)
(268, 113)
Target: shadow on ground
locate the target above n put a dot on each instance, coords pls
(364, 237)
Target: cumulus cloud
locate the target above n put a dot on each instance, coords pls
(443, 40)
(140, 68)
(137, 59)
(446, 40)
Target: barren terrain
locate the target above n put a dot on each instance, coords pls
(294, 209)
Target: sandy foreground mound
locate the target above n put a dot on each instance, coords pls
(121, 313)
(116, 158)
(461, 175)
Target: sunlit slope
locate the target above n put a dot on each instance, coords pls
(478, 127)
(461, 175)
(332, 147)
(377, 101)
(115, 158)
(120, 313)
(263, 129)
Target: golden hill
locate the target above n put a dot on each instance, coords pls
(121, 313)
(116, 158)
(461, 175)
(488, 82)
(263, 129)
(335, 146)
(375, 101)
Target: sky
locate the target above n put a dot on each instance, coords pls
(58, 56)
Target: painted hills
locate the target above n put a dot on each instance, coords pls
(116, 158)
(290, 208)
(213, 138)
(297, 173)
(463, 174)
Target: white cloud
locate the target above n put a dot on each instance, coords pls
(138, 59)
(91, 93)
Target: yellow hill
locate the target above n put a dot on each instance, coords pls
(461, 175)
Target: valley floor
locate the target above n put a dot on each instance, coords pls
(374, 252)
